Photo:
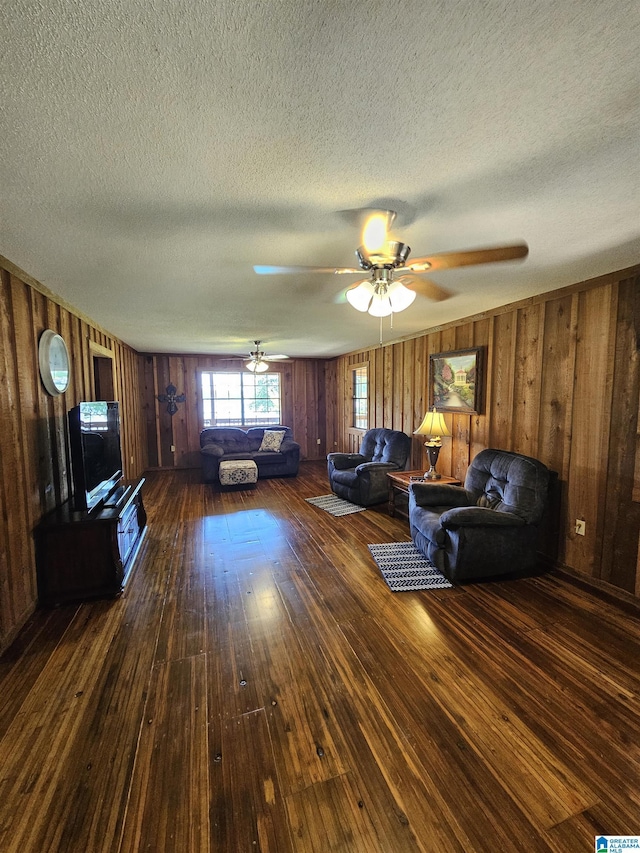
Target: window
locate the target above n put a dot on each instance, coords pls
(361, 397)
(240, 399)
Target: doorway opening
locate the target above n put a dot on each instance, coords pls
(103, 378)
(104, 386)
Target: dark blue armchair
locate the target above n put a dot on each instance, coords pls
(489, 527)
(362, 477)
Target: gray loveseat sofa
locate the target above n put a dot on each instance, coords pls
(224, 443)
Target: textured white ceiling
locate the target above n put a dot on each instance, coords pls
(151, 152)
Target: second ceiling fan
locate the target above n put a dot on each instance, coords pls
(258, 360)
(394, 280)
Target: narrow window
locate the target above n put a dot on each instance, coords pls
(361, 397)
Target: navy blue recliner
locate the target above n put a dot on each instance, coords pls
(489, 527)
(362, 477)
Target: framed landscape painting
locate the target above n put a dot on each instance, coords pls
(455, 381)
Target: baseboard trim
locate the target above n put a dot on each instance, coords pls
(627, 601)
(22, 620)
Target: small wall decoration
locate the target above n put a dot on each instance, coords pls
(455, 381)
(171, 399)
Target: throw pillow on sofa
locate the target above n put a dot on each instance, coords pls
(271, 440)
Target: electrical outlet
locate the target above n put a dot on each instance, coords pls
(318, 441)
(581, 527)
(173, 448)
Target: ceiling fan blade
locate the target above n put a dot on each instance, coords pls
(451, 260)
(278, 357)
(267, 270)
(425, 287)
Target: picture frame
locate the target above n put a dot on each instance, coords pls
(456, 381)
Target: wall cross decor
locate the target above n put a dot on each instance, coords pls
(171, 399)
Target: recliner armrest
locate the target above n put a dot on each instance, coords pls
(211, 449)
(342, 461)
(375, 466)
(434, 494)
(479, 516)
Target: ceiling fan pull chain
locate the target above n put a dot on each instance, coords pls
(380, 331)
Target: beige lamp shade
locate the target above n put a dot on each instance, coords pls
(433, 425)
(433, 428)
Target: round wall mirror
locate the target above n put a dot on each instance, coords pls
(54, 362)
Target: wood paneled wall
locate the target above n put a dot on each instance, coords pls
(34, 461)
(303, 405)
(561, 384)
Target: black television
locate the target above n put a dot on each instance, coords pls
(96, 460)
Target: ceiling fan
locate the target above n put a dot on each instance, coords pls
(258, 360)
(393, 279)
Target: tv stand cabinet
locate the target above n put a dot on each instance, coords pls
(84, 555)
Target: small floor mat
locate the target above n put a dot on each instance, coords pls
(405, 569)
(334, 505)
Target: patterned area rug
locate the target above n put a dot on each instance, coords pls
(404, 568)
(335, 505)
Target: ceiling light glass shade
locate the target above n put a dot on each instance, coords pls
(380, 306)
(360, 297)
(257, 366)
(400, 296)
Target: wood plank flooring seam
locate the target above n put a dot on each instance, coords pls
(143, 717)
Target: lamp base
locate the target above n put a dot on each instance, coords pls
(433, 451)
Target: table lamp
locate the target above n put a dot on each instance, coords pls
(434, 427)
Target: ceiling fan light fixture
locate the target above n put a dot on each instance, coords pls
(359, 297)
(382, 296)
(256, 366)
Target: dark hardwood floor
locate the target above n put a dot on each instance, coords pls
(259, 688)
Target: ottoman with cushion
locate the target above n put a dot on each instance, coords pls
(238, 472)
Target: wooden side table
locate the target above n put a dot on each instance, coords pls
(399, 482)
